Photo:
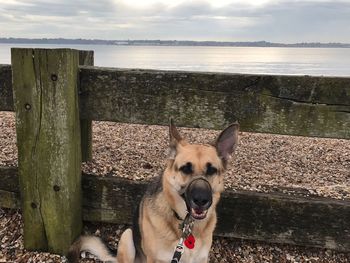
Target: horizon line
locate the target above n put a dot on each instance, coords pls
(173, 41)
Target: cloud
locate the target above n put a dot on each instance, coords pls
(270, 20)
(304, 21)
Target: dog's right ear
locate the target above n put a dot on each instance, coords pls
(227, 141)
(175, 140)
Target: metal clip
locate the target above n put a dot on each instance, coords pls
(179, 250)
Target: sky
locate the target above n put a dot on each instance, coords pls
(284, 21)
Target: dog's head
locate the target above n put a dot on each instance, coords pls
(195, 171)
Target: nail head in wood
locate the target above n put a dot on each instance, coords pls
(27, 106)
(54, 77)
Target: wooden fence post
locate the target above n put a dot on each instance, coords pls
(49, 151)
(86, 58)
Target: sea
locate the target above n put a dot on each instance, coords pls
(248, 60)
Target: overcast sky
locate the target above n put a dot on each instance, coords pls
(286, 21)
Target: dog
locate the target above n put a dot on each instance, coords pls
(176, 217)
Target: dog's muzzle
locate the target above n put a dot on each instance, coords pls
(198, 197)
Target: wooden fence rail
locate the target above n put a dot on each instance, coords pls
(55, 101)
(295, 105)
(271, 217)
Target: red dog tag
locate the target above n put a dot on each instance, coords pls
(189, 242)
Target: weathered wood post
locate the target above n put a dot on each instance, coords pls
(86, 58)
(49, 151)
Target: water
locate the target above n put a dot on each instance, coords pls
(253, 60)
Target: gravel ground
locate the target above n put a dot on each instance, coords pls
(263, 162)
(223, 250)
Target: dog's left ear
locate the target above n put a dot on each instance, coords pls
(175, 140)
(227, 141)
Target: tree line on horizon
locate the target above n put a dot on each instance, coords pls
(166, 42)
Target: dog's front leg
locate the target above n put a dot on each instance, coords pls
(152, 260)
(158, 261)
(201, 259)
(205, 260)
(126, 248)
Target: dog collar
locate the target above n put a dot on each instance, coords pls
(177, 216)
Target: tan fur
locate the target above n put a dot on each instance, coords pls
(162, 233)
(126, 247)
(92, 245)
(158, 225)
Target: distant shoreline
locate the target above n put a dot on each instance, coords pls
(166, 43)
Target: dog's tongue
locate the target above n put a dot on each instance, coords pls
(198, 211)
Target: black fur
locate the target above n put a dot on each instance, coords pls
(154, 188)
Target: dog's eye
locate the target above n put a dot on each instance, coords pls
(211, 169)
(187, 168)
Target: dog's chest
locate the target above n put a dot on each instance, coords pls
(195, 256)
(199, 254)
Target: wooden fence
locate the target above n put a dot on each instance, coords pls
(55, 101)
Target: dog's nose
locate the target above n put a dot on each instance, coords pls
(200, 194)
(201, 199)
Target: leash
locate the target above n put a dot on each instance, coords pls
(186, 237)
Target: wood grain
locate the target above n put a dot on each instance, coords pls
(6, 97)
(86, 58)
(294, 105)
(48, 139)
(270, 217)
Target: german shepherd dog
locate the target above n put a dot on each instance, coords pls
(185, 195)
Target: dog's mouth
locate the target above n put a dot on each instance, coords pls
(198, 214)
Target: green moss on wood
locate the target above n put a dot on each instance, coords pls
(270, 217)
(296, 105)
(6, 97)
(275, 104)
(49, 152)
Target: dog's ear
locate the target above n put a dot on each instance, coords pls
(227, 141)
(175, 140)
